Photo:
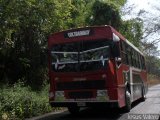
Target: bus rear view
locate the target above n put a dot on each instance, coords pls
(83, 69)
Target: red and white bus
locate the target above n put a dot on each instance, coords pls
(95, 67)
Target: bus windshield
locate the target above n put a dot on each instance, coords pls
(80, 56)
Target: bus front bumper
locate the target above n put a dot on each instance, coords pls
(112, 104)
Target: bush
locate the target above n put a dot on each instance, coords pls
(153, 79)
(20, 102)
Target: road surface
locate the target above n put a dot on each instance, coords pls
(148, 110)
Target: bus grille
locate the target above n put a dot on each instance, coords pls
(76, 85)
(80, 95)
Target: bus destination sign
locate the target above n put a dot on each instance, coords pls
(77, 33)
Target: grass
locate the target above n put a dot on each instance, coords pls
(20, 102)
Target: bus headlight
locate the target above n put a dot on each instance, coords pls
(102, 95)
(59, 96)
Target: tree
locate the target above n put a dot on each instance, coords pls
(81, 10)
(26, 24)
(105, 13)
(132, 30)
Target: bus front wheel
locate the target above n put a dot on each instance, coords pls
(74, 109)
(127, 107)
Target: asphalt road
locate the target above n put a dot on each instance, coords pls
(148, 110)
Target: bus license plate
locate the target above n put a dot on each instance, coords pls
(81, 104)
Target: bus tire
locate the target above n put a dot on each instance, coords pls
(143, 94)
(127, 107)
(74, 109)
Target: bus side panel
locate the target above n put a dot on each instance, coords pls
(122, 70)
(111, 80)
(116, 87)
(144, 78)
(121, 96)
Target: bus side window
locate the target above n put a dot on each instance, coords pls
(143, 63)
(139, 63)
(129, 56)
(123, 53)
(136, 58)
(132, 60)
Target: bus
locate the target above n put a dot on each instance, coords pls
(95, 67)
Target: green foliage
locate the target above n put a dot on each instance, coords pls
(105, 13)
(132, 30)
(19, 102)
(81, 10)
(120, 3)
(25, 26)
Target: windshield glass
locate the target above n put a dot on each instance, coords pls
(94, 54)
(80, 56)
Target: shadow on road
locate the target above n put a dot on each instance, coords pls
(87, 114)
(135, 103)
(96, 114)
